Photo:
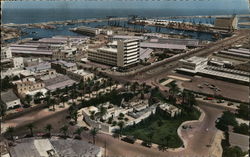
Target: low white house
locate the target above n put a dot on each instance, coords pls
(170, 109)
(10, 99)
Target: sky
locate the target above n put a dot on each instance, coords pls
(133, 4)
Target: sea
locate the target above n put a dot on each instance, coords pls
(21, 16)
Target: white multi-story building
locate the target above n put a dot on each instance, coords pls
(125, 54)
(5, 53)
(18, 62)
(193, 63)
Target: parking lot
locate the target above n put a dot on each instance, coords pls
(218, 87)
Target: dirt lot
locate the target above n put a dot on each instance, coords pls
(227, 89)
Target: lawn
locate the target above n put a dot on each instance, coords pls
(161, 128)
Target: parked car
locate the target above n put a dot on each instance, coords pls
(146, 144)
(220, 101)
(129, 139)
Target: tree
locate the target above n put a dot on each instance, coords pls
(121, 126)
(150, 136)
(3, 109)
(94, 132)
(78, 132)
(63, 100)
(81, 88)
(243, 111)
(28, 99)
(242, 129)
(48, 100)
(64, 130)
(162, 147)
(30, 127)
(233, 152)
(226, 119)
(53, 103)
(38, 96)
(167, 139)
(10, 130)
(103, 111)
(92, 115)
(48, 128)
(109, 83)
(174, 90)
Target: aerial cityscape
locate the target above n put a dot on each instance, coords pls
(125, 78)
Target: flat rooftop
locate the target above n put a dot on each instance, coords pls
(61, 81)
(81, 72)
(128, 37)
(162, 46)
(194, 60)
(67, 64)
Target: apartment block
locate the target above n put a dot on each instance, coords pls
(124, 54)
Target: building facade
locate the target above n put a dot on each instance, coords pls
(226, 22)
(63, 66)
(5, 53)
(80, 75)
(28, 84)
(126, 53)
(10, 99)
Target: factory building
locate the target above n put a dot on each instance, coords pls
(87, 30)
(237, 54)
(125, 54)
(226, 22)
(199, 66)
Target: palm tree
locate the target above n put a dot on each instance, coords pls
(10, 130)
(92, 115)
(79, 131)
(121, 125)
(48, 128)
(103, 111)
(110, 82)
(30, 127)
(81, 88)
(53, 103)
(48, 100)
(63, 99)
(66, 90)
(94, 132)
(64, 130)
(174, 89)
(75, 115)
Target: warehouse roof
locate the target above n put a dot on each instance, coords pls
(162, 46)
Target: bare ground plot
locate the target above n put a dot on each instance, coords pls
(227, 89)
